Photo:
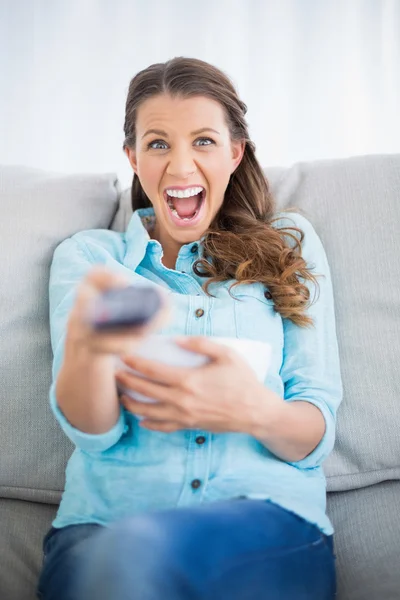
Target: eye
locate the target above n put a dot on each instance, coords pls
(158, 145)
(204, 141)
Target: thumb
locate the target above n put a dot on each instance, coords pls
(103, 278)
(99, 279)
(206, 346)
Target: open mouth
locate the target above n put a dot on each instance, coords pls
(185, 205)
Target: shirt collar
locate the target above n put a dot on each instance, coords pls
(138, 240)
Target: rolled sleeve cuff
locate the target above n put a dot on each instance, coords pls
(91, 442)
(325, 446)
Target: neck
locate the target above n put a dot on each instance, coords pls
(170, 248)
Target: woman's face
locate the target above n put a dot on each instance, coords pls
(183, 158)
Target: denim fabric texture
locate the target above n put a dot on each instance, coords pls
(230, 550)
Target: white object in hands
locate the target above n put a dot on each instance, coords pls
(162, 348)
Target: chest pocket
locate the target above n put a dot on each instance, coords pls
(255, 316)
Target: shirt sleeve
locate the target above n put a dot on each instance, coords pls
(310, 368)
(71, 261)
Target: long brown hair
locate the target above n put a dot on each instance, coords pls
(241, 243)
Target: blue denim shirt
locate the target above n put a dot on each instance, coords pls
(130, 469)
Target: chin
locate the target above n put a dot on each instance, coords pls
(188, 236)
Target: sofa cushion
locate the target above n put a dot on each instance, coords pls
(37, 211)
(366, 543)
(367, 533)
(354, 205)
(23, 526)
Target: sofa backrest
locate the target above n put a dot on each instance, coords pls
(354, 207)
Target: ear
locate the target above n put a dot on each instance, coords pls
(238, 148)
(131, 154)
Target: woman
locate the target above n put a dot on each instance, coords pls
(217, 491)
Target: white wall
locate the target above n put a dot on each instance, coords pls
(321, 78)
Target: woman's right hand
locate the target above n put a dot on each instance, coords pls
(81, 335)
(86, 389)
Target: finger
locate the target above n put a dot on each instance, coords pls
(206, 346)
(97, 280)
(130, 334)
(112, 342)
(165, 374)
(103, 278)
(157, 411)
(124, 341)
(162, 426)
(121, 342)
(157, 391)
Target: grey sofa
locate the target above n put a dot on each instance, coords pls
(354, 204)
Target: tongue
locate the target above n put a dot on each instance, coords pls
(186, 207)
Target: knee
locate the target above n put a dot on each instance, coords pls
(138, 533)
(139, 542)
(122, 560)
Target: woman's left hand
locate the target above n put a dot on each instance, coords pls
(223, 395)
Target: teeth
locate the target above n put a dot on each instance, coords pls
(185, 193)
(184, 218)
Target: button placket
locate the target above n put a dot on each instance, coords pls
(197, 467)
(199, 316)
(184, 266)
(200, 446)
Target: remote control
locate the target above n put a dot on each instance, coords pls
(131, 306)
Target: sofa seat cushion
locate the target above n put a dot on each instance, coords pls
(367, 541)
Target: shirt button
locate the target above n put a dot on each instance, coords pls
(194, 248)
(268, 295)
(200, 439)
(199, 312)
(196, 483)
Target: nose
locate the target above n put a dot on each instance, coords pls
(181, 164)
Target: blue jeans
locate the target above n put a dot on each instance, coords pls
(232, 550)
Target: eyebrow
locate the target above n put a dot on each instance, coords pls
(165, 134)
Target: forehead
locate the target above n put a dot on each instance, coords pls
(169, 113)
